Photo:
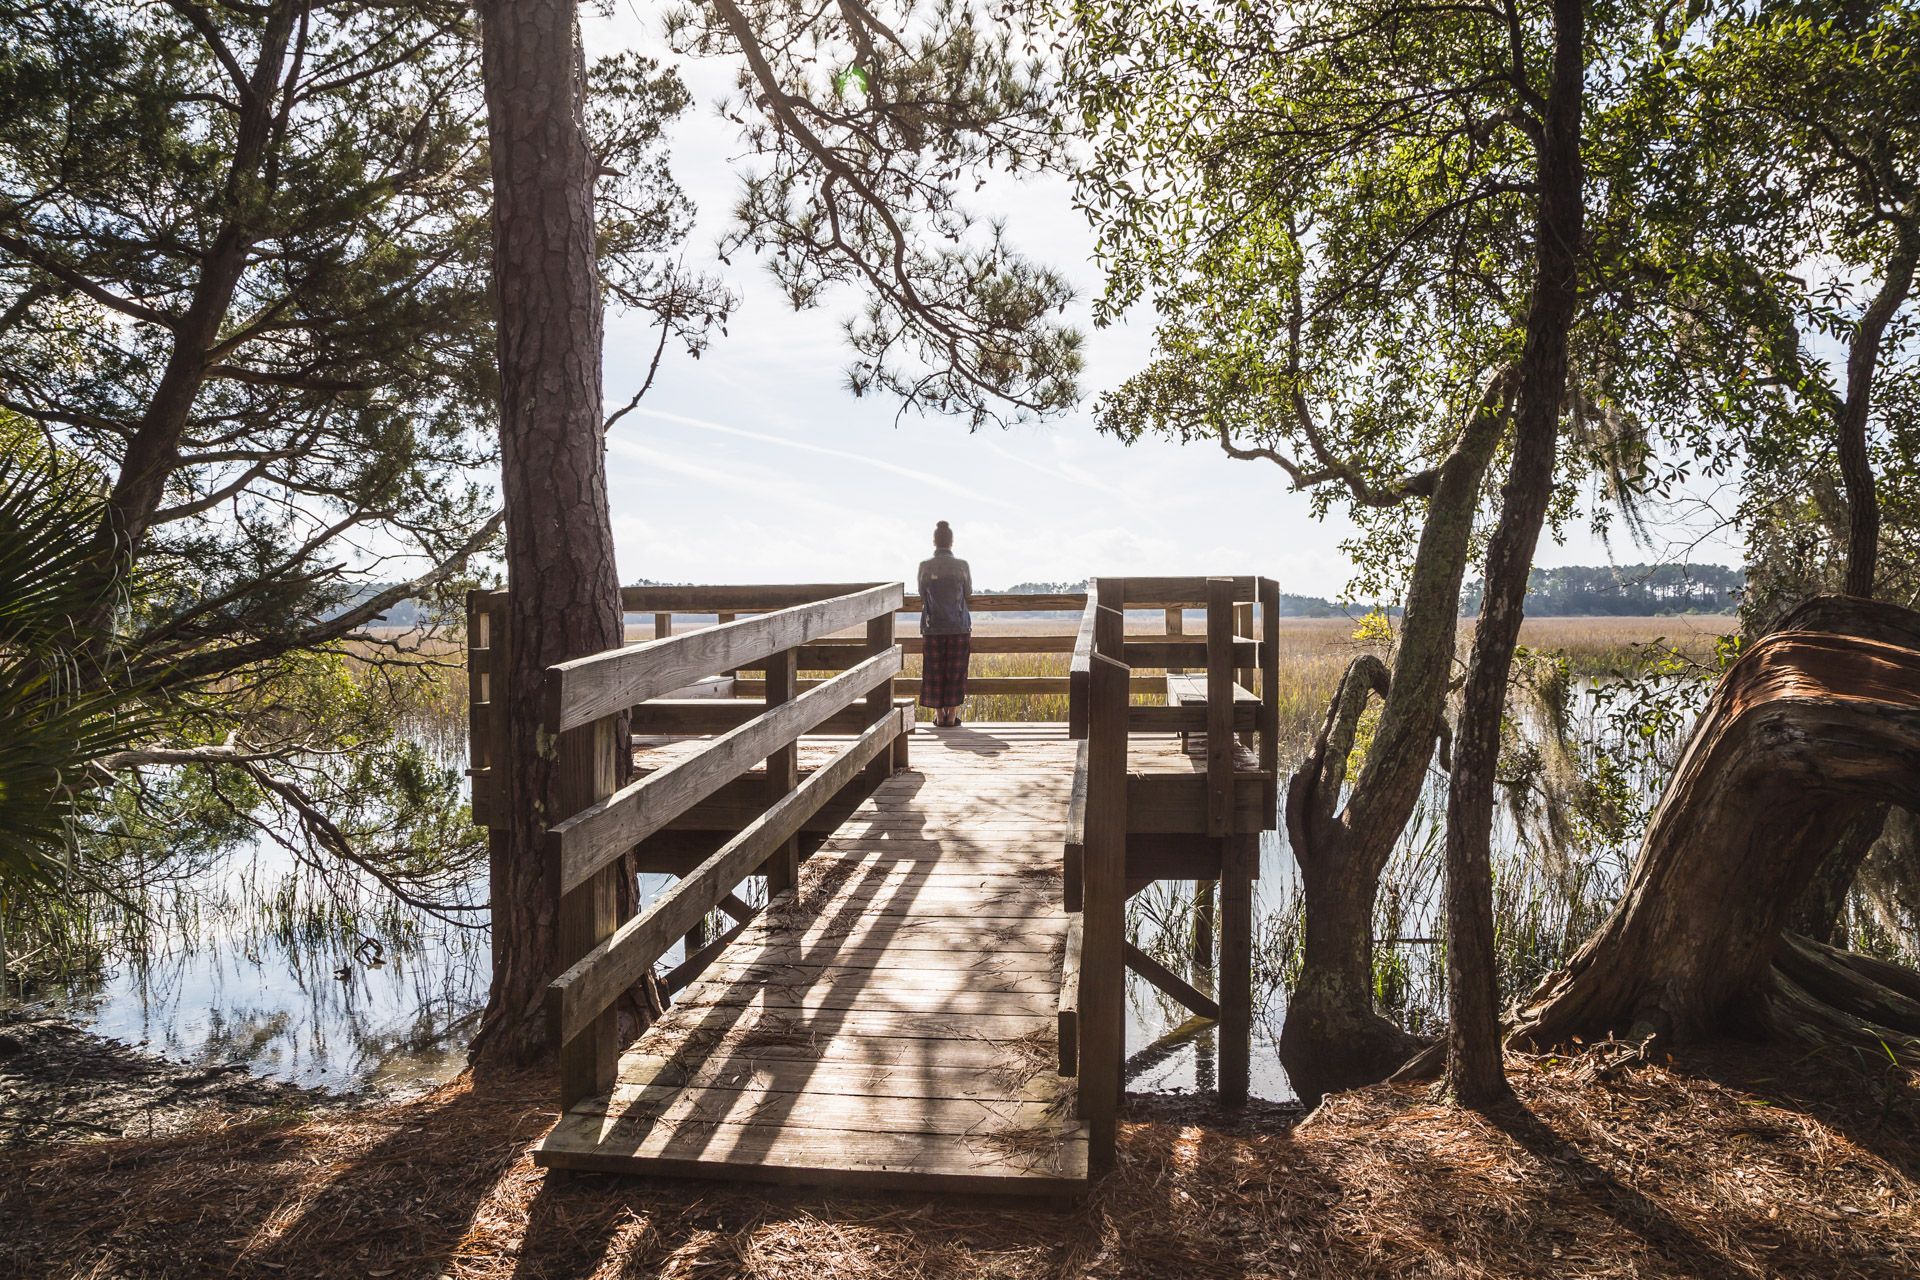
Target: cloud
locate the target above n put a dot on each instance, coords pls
(927, 478)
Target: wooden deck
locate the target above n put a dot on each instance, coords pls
(891, 1023)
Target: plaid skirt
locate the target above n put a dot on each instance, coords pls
(943, 670)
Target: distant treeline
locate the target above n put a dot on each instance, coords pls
(1290, 606)
(1629, 589)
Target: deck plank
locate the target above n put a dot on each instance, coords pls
(890, 1023)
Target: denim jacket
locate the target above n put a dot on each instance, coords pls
(945, 584)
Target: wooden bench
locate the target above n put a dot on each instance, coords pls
(1190, 690)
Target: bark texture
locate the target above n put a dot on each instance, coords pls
(1806, 732)
(1332, 1038)
(565, 590)
(1856, 469)
(1475, 1072)
(1817, 914)
(153, 451)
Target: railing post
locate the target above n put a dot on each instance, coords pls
(662, 625)
(1103, 901)
(583, 774)
(1238, 856)
(486, 662)
(783, 771)
(1220, 744)
(880, 701)
(1176, 626)
(1077, 673)
(1243, 626)
(1270, 700)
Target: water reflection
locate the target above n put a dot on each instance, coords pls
(315, 1006)
(264, 967)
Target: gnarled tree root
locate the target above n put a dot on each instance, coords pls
(1808, 730)
(1818, 994)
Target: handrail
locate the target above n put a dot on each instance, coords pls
(605, 684)
(1078, 672)
(600, 833)
(734, 598)
(1183, 593)
(577, 996)
(1014, 602)
(1101, 965)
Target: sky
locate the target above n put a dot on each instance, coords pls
(755, 464)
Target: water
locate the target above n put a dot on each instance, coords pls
(382, 997)
(386, 1006)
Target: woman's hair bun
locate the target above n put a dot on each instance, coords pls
(941, 525)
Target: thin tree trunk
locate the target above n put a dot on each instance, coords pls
(1476, 1075)
(153, 448)
(1856, 469)
(564, 589)
(1332, 1038)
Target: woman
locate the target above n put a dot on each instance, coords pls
(946, 630)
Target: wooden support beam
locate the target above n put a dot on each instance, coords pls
(1176, 626)
(880, 639)
(1173, 652)
(783, 774)
(1220, 745)
(1244, 657)
(1169, 981)
(1102, 1030)
(662, 625)
(1176, 803)
(587, 913)
(1270, 699)
(1190, 593)
(1077, 672)
(698, 961)
(1203, 925)
(1239, 855)
(1068, 1032)
(1185, 719)
(1074, 861)
(1110, 622)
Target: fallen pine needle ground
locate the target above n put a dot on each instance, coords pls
(1734, 1161)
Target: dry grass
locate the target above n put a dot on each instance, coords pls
(1736, 1162)
(1314, 651)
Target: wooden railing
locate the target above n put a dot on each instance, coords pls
(583, 703)
(832, 655)
(1108, 809)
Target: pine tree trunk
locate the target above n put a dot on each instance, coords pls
(1475, 1074)
(1807, 731)
(564, 588)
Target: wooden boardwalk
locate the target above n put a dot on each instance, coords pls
(891, 1022)
(933, 996)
